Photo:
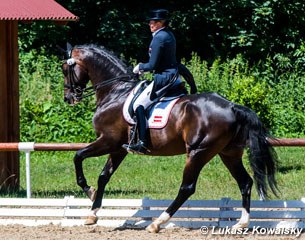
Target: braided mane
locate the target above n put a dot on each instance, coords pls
(100, 53)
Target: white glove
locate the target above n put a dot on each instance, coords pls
(136, 69)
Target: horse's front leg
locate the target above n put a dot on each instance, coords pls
(95, 149)
(111, 165)
(78, 165)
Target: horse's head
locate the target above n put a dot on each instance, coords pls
(101, 67)
(76, 77)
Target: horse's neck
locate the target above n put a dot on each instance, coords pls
(101, 74)
(113, 93)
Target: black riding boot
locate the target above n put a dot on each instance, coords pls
(141, 146)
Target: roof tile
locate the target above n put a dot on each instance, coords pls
(34, 10)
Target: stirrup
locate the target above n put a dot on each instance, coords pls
(138, 148)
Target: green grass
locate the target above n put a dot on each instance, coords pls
(52, 175)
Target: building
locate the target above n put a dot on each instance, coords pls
(11, 12)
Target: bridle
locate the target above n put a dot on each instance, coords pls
(78, 92)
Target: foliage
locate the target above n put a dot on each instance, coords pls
(274, 94)
(256, 28)
(212, 29)
(52, 121)
(44, 115)
(234, 80)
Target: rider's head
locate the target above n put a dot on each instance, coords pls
(158, 19)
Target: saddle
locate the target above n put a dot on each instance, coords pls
(158, 113)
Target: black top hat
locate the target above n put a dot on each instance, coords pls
(159, 14)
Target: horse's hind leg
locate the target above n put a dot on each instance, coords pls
(234, 163)
(195, 161)
(110, 167)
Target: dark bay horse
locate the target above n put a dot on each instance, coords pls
(200, 125)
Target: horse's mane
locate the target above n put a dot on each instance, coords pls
(97, 51)
(107, 58)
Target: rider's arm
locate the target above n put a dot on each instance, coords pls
(155, 54)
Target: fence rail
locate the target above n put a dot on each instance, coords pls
(140, 212)
(28, 147)
(32, 146)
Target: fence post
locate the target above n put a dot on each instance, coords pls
(223, 208)
(146, 207)
(27, 147)
(303, 209)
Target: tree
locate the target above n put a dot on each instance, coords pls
(214, 28)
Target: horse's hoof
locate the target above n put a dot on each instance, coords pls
(91, 220)
(153, 228)
(91, 193)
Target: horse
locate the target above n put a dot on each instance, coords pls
(200, 125)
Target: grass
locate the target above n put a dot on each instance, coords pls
(52, 175)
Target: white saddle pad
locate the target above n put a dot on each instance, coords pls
(158, 115)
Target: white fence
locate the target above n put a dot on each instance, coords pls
(138, 213)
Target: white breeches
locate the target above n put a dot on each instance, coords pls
(144, 98)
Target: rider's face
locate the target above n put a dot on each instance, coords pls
(155, 25)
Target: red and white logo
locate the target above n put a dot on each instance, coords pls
(157, 119)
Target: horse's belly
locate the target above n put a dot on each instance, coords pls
(162, 147)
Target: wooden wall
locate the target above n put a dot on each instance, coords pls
(9, 103)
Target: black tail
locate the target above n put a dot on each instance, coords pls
(263, 158)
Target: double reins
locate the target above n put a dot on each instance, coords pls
(92, 89)
(79, 92)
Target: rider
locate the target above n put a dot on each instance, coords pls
(163, 64)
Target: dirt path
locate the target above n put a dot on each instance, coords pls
(55, 232)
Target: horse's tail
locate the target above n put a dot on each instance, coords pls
(263, 158)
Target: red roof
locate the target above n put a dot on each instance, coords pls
(34, 10)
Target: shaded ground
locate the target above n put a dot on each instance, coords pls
(54, 232)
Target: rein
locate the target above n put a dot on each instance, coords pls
(91, 90)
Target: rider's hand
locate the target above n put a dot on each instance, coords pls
(136, 69)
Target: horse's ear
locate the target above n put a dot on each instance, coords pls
(61, 52)
(69, 49)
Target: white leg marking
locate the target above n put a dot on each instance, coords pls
(93, 212)
(163, 218)
(244, 220)
(155, 226)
